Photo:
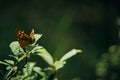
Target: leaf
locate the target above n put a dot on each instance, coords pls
(13, 56)
(29, 68)
(58, 64)
(16, 49)
(9, 67)
(48, 69)
(30, 47)
(37, 37)
(9, 61)
(44, 78)
(45, 55)
(1, 62)
(70, 54)
(39, 71)
(35, 49)
(8, 73)
(113, 49)
(18, 77)
(42, 52)
(22, 57)
(55, 79)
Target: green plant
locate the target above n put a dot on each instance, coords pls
(20, 68)
(108, 67)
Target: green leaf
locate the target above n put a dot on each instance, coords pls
(2, 62)
(13, 56)
(58, 64)
(55, 79)
(44, 54)
(30, 47)
(113, 49)
(29, 68)
(35, 48)
(43, 79)
(18, 77)
(39, 71)
(8, 73)
(33, 51)
(31, 77)
(21, 58)
(37, 37)
(9, 61)
(70, 54)
(101, 69)
(48, 69)
(9, 67)
(16, 49)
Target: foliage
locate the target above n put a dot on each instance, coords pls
(19, 68)
(108, 68)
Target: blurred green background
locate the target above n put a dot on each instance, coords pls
(89, 25)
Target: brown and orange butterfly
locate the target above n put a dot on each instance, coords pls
(25, 39)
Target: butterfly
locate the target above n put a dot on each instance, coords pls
(25, 39)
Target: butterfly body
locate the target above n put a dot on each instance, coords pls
(25, 39)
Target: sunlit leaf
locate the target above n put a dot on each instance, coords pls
(40, 51)
(22, 57)
(43, 79)
(29, 68)
(37, 37)
(9, 67)
(31, 77)
(9, 61)
(18, 77)
(39, 71)
(16, 49)
(35, 49)
(1, 62)
(58, 64)
(70, 54)
(48, 69)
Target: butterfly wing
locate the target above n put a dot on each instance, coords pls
(32, 37)
(23, 38)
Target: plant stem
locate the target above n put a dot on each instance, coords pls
(12, 75)
(52, 76)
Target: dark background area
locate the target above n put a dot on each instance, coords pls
(89, 25)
